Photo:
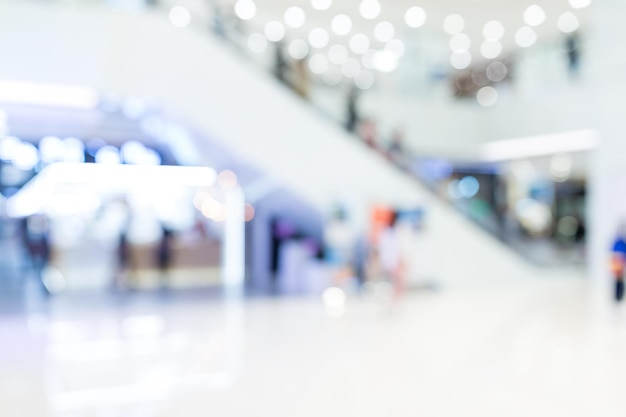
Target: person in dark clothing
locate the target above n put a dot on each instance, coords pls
(280, 64)
(572, 48)
(164, 254)
(123, 255)
(36, 236)
(353, 114)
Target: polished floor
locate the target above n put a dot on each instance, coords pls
(541, 347)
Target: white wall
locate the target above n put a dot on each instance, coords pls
(195, 79)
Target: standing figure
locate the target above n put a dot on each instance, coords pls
(123, 255)
(38, 245)
(572, 48)
(352, 119)
(164, 254)
(340, 248)
(391, 259)
(618, 260)
(280, 64)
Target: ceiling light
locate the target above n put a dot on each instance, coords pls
(56, 95)
(579, 4)
(369, 9)
(245, 9)
(341, 24)
(385, 61)
(490, 49)
(396, 46)
(318, 38)
(294, 17)
(460, 42)
(461, 60)
(364, 80)
(415, 17)
(368, 59)
(384, 31)
(332, 77)
(257, 43)
(321, 4)
(318, 63)
(359, 43)
(493, 30)
(298, 49)
(350, 68)
(180, 16)
(568, 22)
(534, 15)
(453, 24)
(525, 37)
(274, 31)
(487, 96)
(337, 54)
(496, 71)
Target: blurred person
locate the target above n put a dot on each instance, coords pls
(395, 150)
(618, 260)
(281, 232)
(573, 49)
(165, 255)
(339, 241)
(217, 23)
(301, 82)
(353, 118)
(391, 256)
(280, 63)
(36, 235)
(123, 257)
(367, 131)
(396, 145)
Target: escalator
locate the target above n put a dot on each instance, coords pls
(208, 85)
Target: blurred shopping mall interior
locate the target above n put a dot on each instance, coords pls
(312, 208)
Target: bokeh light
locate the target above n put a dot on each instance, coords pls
(318, 38)
(496, 71)
(298, 49)
(318, 63)
(180, 16)
(384, 31)
(461, 60)
(341, 24)
(525, 37)
(534, 15)
(338, 54)
(227, 179)
(364, 80)
(493, 30)
(568, 22)
(460, 42)
(490, 49)
(415, 17)
(369, 9)
(245, 9)
(257, 43)
(274, 31)
(321, 4)
(359, 43)
(487, 96)
(294, 17)
(453, 24)
(350, 68)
